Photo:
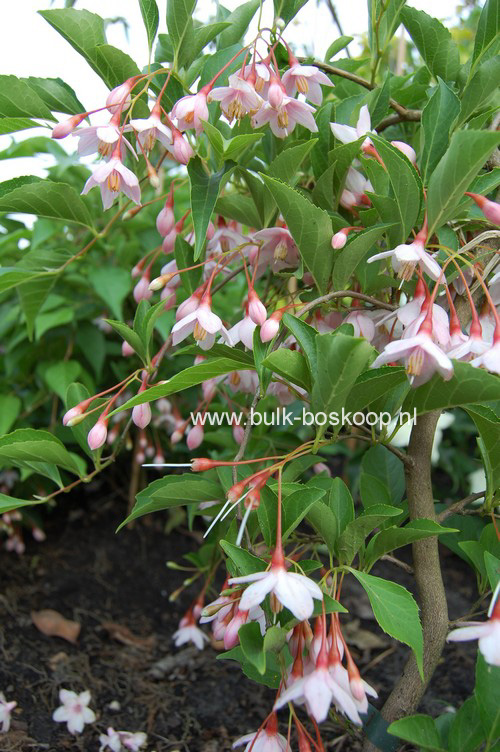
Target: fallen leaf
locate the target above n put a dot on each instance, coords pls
(56, 659)
(54, 624)
(122, 634)
(362, 638)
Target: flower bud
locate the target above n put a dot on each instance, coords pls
(188, 306)
(182, 148)
(165, 220)
(119, 97)
(157, 283)
(238, 433)
(141, 290)
(339, 240)
(256, 309)
(97, 435)
(490, 209)
(71, 415)
(202, 464)
(236, 491)
(279, 23)
(168, 244)
(61, 130)
(195, 437)
(168, 295)
(407, 150)
(141, 415)
(275, 94)
(269, 329)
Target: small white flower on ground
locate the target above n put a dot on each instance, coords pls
(74, 710)
(6, 709)
(117, 741)
(294, 591)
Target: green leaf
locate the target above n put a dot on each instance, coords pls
(180, 28)
(420, 730)
(340, 360)
(272, 675)
(331, 515)
(348, 259)
(239, 207)
(285, 166)
(405, 182)
(191, 376)
(355, 532)
(30, 195)
(305, 336)
(9, 503)
(311, 228)
(112, 284)
(27, 445)
(296, 506)
(287, 9)
(18, 100)
(395, 610)
(394, 537)
(204, 194)
(32, 296)
(336, 46)
(134, 341)
(487, 39)
(173, 491)
(243, 560)
(10, 276)
(488, 425)
(373, 384)
(114, 67)
(289, 364)
(184, 258)
(466, 154)
(10, 407)
(13, 124)
(492, 566)
(252, 645)
(438, 117)
(434, 42)
(382, 478)
(82, 29)
(468, 386)
(151, 18)
(466, 732)
(487, 696)
(59, 376)
(239, 21)
(204, 34)
(479, 89)
(56, 94)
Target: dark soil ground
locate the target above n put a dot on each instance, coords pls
(194, 703)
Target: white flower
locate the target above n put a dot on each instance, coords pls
(113, 177)
(6, 709)
(284, 118)
(151, 128)
(294, 591)
(489, 359)
(488, 632)
(346, 133)
(421, 356)
(264, 743)
(205, 326)
(74, 710)
(117, 741)
(189, 632)
(243, 331)
(307, 80)
(405, 258)
(102, 139)
(190, 111)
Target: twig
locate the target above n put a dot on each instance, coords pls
(459, 505)
(407, 567)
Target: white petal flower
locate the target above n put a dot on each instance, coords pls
(74, 710)
(307, 80)
(6, 709)
(421, 356)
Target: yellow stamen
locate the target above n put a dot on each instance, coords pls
(259, 84)
(276, 606)
(302, 84)
(406, 271)
(189, 117)
(199, 333)
(104, 148)
(235, 110)
(280, 252)
(415, 362)
(282, 118)
(235, 378)
(114, 181)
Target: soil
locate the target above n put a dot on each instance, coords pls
(117, 587)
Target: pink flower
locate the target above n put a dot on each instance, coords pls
(203, 324)
(278, 248)
(165, 221)
(405, 258)
(119, 98)
(258, 75)
(195, 437)
(339, 239)
(74, 710)
(284, 118)
(182, 149)
(421, 356)
(265, 740)
(6, 709)
(474, 345)
(117, 741)
(488, 633)
(407, 150)
(150, 129)
(241, 617)
(190, 111)
(294, 591)
(362, 323)
(141, 290)
(347, 134)
(307, 80)
(113, 177)
(102, 139)
(256, 309)
(141, 415)
(490, 209)
(237, 99)
(270, 328)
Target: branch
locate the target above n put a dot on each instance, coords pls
(403, 112)
(458, 506)
(406, 695)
